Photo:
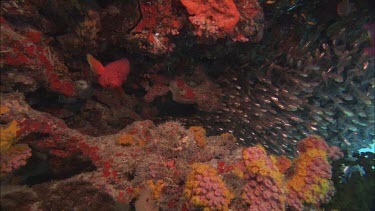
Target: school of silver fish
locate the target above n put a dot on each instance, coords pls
(329, 93)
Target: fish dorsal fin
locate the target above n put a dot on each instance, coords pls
(95, 64)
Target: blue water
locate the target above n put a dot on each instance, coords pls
(372, 149)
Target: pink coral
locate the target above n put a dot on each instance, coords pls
(263, 194)
(204, 188)
(264, 188)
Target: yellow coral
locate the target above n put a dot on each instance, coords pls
(239, 172)
(199, 135)
(156, 188)
(297, 183)
(3, 110)
(311, 192)
(126, 139)
(8, 135)
(257, 166)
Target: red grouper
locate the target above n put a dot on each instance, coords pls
(113, 75)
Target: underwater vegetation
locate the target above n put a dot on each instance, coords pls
(187, 104)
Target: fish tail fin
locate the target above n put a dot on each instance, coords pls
(95, 64)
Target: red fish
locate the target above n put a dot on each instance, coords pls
(113, 75)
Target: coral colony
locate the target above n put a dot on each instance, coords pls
(184, 104)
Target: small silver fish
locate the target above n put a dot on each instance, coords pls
(345, 110)
(358, 122)
(336, 77)
(361, 96)
(346, 96)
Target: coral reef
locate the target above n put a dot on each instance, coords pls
(219, 105)
(27, 51)
(178, 170)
